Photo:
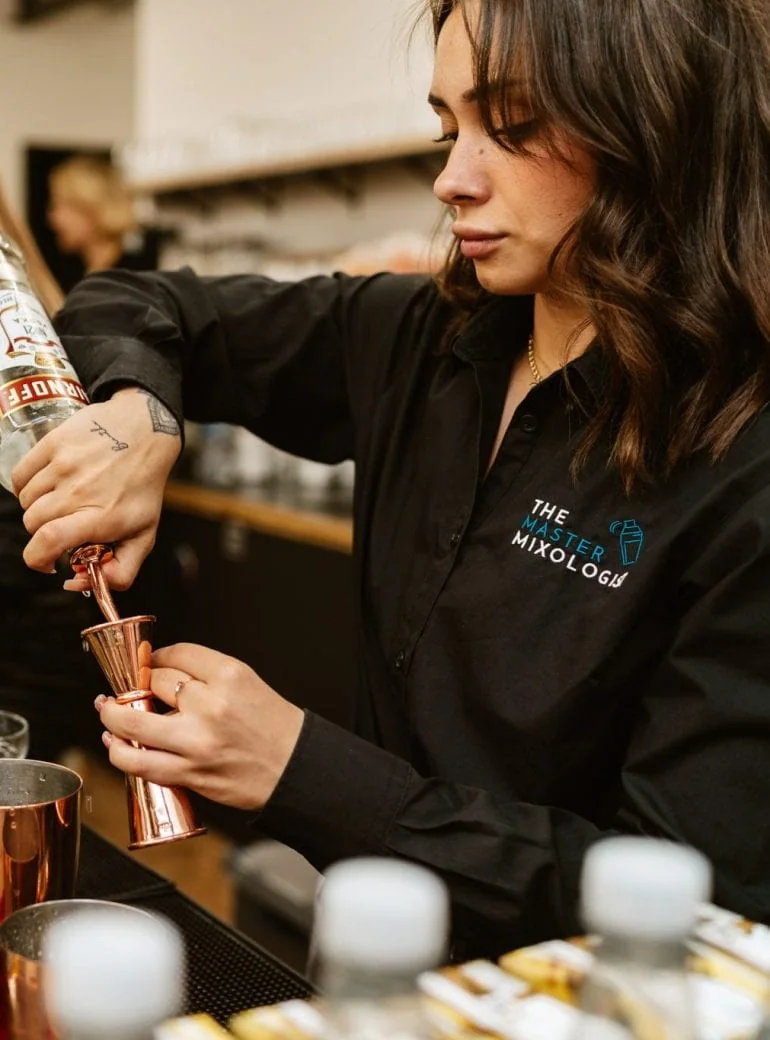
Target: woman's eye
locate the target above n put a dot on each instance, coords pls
(518, 131)
(450, 135)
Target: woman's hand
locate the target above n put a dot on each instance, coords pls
(230, 739)
(99, 477)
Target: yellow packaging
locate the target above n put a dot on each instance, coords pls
(555, 968)
(533, 992)
(729, 995)
(292, 1020)
(193, 1027)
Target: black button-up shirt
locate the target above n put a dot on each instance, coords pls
(542, 660)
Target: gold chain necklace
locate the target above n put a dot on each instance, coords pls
(537, 378)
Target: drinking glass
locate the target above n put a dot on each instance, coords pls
(14, 735)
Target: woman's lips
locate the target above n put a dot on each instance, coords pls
(477, 245)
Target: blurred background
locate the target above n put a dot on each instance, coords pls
(287, 138)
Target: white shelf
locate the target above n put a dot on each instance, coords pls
(172, 183)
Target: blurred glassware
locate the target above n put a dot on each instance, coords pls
(215, 465)
(313, 478)
(343, 478)
(255, 460)
(376, 122)
(14, 735)
(147, 159)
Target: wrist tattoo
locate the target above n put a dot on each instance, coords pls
(103, 432)
(163, 420)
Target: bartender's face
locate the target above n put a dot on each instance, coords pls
(510, 211)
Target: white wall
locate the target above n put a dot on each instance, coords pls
(348, 69)
(66, 80)
(204, 62)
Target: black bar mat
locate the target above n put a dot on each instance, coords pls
(227, 972)
(107, 872)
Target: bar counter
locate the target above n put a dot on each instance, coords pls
(226, 971)
(320, 520)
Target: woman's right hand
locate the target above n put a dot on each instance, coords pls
(99, 477)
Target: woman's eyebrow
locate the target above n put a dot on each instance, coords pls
(472, 95)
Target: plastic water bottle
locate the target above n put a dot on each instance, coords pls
(112, 976)
(39, 388)
(379, 924)
(641, 897)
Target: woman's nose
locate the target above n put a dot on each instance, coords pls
(464, 178)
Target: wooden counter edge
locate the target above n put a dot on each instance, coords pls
(295, 525)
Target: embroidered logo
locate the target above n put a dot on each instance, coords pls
(546, 531)
(631, 538)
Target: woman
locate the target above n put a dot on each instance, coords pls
(563, 475)
(91, 213)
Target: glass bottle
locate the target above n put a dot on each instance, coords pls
(641, 897)
(112, 976)
(39, 388)
(379, 924)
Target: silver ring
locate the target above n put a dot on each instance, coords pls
(180, 685)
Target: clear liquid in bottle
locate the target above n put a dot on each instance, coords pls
(39, 388)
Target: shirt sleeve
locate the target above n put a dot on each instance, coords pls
(297, 363)
(696, 769)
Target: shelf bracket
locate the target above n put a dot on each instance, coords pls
(346, 182)
(268, 193)
(425, 168)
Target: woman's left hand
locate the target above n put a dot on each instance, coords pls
(230, 739)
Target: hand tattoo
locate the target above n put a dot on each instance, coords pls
(116, 444)
(163, 420)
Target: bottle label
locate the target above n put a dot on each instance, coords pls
(35, 389)
(29, 342)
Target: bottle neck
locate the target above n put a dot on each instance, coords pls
(340, 982)
(660, 954)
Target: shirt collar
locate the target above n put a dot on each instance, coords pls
(500, 329)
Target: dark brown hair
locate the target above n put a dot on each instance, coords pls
(671, 98)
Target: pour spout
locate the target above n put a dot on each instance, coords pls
(89, 558)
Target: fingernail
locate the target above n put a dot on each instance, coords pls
(100, 701)
(107, 739)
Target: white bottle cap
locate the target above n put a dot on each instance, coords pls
(382, 913)
(112, 970)
(643, 888)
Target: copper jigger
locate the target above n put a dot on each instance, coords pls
(123, 648)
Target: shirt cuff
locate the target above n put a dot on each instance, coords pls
(337, 797)
(133, 364)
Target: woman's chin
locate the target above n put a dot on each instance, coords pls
(502, 281)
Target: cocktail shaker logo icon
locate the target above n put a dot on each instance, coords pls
(631, 538)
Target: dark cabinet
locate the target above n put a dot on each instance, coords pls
(283, 607)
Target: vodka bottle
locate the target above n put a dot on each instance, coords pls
(39, 388)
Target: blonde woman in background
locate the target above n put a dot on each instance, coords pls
(91, 212)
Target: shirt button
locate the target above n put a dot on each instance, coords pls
(456, 538)
(399, 661)
(528, 423)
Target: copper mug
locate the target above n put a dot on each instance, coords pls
(39, 832)
(23, 1014)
